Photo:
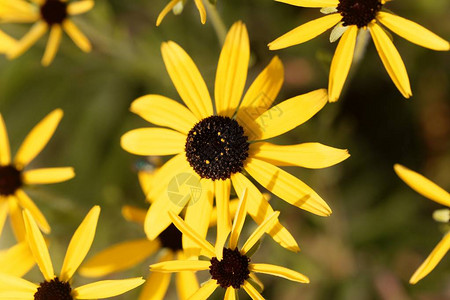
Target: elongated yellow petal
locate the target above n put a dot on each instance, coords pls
(5, 152)
(106, 288)
(413, 32)
(163, 111)
(233, 205)
(157, 218)
(432, 260)
(278, 271)
(305, 32)
(17, 260)
(47, 175)
(222, 192)
(201, 10)
(6, 42)
(79, 7)
(307, 155)
(391, 59)
(18, 12)
(231, 72)
(180, 265)
(311, 3)
(134, 214)
(77, 36)
(153, 141)
(38, 138)
(28, 40)
(259, 231)
(287, 187)
(38, 247)
(53, 43)
(16, 219)
(251, 291)
(256, 280)
(145, 178)
(187, 80)
(26, 203)
(205, 291)
(230, 294)
(16, 284)
(155, 286)
(422, 185)
(119, 257)
(3, 214)
(186, 282)
(80, 244)
(166, 10)
(239, 219)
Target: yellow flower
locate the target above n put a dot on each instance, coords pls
(53, 15)
(350, 16)
(13, 176)
(214, 147)
(177, 7)
(59, 287)
(229, 267)
(428, 189)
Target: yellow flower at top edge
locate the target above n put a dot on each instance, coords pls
(177, 7)
(229, 267)
(47, 15)
(430, 190)
(13, 177)
(215, 147)
(350, 16)
(60, 287)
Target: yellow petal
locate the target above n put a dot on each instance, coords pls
(80, 244)
(5, 153)
(201, 10)
(16, 284)
(222, 192)
(186, 283)
(38, 138)
(251, 291)
(77, 36)
(307, 155)
(232, 70)
(47, 175)
(342, 60)
(134, 214)
(18, 12)
(187, 80)
(391, 59)
(17, 260)
(205, 291)
(38, 247)
(166, 10)
(172, 266)
(53, 43)
(26, 203)
(119, 257)
(233, 205)
(311, 3)
(413, 32)
(16, 219)
(79, 7)
(287, 187)
(278, 271)
(432, 260)
(256, 281)
(165, 112)
(155, 286)
(305, 32)
(153, 141)
(28, 40)
(239, 219)
(106, 288)
(259, 231)
(3, 214)
(422, 185)
(145, 178)
(290, 113)
(230, 294)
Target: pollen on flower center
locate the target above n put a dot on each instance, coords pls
(216, 147)
(53, 290)
(232, 270)
(358, 12)
(54, 11)
(10, 180)
(171, 238)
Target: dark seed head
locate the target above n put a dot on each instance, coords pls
(53, 290)
(358, 12)
(171, 238)
(216, 147)
(54, 11)
(10, 180)
(232, 270)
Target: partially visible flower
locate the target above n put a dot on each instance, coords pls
(6, 42)
(60, 287)
(177, 7)
(52, 15)
(350, 16)
(430, 190)
(13, 177)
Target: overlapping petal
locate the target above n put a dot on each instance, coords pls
(205, 291)
(180, 265)
(153, 141)
(17, 260)
(28, 40)
(26, 203)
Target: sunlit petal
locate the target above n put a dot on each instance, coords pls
(222, 192)
(251, 291)
(16, 218)
(278, 271)
(153, 141)
(47, 175)
(311, 3)
(205, 291)
(26, 203)
(186, 282)
(239, 219)
(5, 153)
(17, 260)
(16, 284)
(172, 266)
(106, 288)
(259, 232)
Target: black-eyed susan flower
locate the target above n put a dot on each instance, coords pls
(350, 16)
(47, 15)
(430, 190)
(60, 287)
(216, 146)
(13, 176)
(177, 7)
(230, 267)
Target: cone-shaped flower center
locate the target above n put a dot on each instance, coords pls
(54, 11)
(358, 12)
(171, 238)
(232, 270)
(216, 147)
(53, 290)
(10, 180)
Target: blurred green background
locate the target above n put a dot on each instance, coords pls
(380, 230)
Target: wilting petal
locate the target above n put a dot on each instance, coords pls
(79, 7)
(77, 36)
(278, 271)
(5, 153)
(153, 141)
(48, 175)
(311, 3)
(106, 288)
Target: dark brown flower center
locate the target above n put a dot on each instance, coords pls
(232, 270)
(216, 147)
(171, 238)
(54, 11)
(10, 180)
(358, 12)
(53, 290)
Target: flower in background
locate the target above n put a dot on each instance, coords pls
(230, 267)
(350, 16)
(177, 7)
(428, 189)
(6, 42)
(48, 15)
(59, 287)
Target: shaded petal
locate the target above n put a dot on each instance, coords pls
(172, 266)
(278, 271)
(230, 294)
(28, 40)
(222, 193)
(79, 7)
(18, 12)
(239, 219)
(251, 291)
(201, 10)
(5, 152)
(77, 36)
(106, 288)
(10, 283)
(16, 219)
(26, 203)
(17, 260)
(166, 10)
(311, 3)
(134, 214)
(153, 141)
(48, 175)
(259, 232)
(186, 282)
(53, 43)
(205, 291)
(155, 286)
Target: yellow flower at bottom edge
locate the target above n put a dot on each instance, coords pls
(59, 287)
(350, 16)
(177, 6)
(230, 268)
(430, 190)
(53, 15)
(13, 176)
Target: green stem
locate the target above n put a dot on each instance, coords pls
(217, 22)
